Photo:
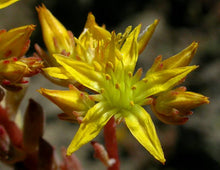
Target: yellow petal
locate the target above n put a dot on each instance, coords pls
(56, 72)
(92, 124)
(68, 100)
(142, 128)
(130, 49)
(181, 59)
(5, 3)
(81, 72)
(15, 42)
(161, 81)
(12, 70)
(145, 36)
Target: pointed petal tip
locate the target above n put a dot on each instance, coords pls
(156, 21)
(69, 151)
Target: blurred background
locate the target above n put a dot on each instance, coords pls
(195, 145)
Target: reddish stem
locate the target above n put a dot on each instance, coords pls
(111, 143)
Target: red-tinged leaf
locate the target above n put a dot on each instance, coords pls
(33, 126)
(45, 156)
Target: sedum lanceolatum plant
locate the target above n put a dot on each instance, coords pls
(104, 64)
(99, 67)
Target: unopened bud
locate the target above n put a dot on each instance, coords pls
(174, 106)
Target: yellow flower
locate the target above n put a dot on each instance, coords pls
(5, 3)
(13, 46)
(119, 91)
(173, 107)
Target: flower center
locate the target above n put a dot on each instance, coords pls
(118, 91)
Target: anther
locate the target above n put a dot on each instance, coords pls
(102, 90)
(131, 103)
(97, 66)
(117, 86)
(133, 87)
(109, 65)
(130, 74)
(107, 77)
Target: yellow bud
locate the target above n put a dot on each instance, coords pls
(11, 70)
(173, 107)
(56, 38)
(15, 42)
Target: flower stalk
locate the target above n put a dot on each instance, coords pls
(111, 143)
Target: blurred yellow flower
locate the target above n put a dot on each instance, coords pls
(5, 3)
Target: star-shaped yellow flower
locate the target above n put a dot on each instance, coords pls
(119, 91)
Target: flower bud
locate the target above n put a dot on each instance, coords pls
(173, 107)
(15, 42)
(56, 38)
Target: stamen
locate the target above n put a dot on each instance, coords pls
(107, 77)
(97, 66)
(117, 86)
(102, 90)
(134, 87)
(132, 103)
(145, 80)
(130, 74)
(109, 65)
